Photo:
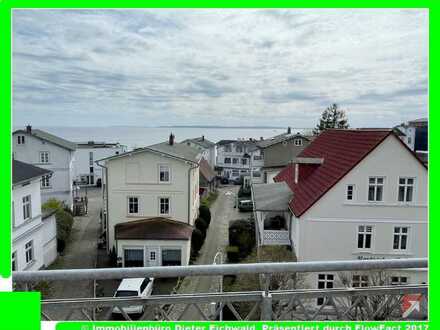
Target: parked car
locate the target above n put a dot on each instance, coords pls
(224, 181)
(245, 205)
(133, 287)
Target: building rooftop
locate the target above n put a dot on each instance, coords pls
(95, 144)
(47, 137)
(202, 141)
(206, 170)
(341, 150)
(179, 150)
(154, 229)
(24, 171)
(271, 196)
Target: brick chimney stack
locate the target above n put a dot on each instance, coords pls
(29, 128)
(171, 139)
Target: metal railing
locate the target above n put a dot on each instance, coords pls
(372, 303)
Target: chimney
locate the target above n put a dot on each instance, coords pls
(296, 172)
(171, 139)
(29, 128)
(203, 138)
(289, 130)
(261, 138)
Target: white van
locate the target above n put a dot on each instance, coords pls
(133, 287)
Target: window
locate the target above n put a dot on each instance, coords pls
(152, 255)
(298, 142)
(45, 181)
(227, 160)
(133, 205)
(360, 281)
(91, 158)
(228, 148)
(406, 189)
(325, 281)
(14, 261)
(164, 205)
(364, 237)
(27, 207)
(235, 173)
(350, 190)
(44, 156)
(91, 169)
(244, 161)
(164, 173)
(375, 189)
(29, 251)
(400, 241)
(20, 139)
(258, 157)
(234, 160)
(239, 149)
(399, 280)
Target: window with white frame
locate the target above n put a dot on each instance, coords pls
(359, 281)
(375, 189)
(29, 251)
(14, 261)
(133, 205)
(234, 160)
(164, 173)
(244, 161)
(325, 281)
(44, 156)
(406, 189)
(239, 149)
(27, 214)
(152, 255)
(350, 192)
(228, 148)
(90, 158)
(399, 280)
(45, 181)
(298, 142)
(365, 234)
(227, 160)
(20, 139)
(400, 241)
(256, 157)
(164, 206)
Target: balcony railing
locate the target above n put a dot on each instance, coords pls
(366, 303)
(275, 237)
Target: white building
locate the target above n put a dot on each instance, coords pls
(34, 146)
(34, 244)
(354, 194)
(87, 172)
(151, 202)
(207, 148)
(236, 158)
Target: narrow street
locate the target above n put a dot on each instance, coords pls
(222, 212)
(81, 252)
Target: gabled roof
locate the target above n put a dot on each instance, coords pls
(23, 171)
(271, 196)
(49, 137)
(341, 150)
(280, 138)
(154, 229)
(206, 170)
(177, 150)
(202, 141)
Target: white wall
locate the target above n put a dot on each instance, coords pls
(60, 162)
(138, 175)
(82, 160)
(185, 246)
(328, 230)
(49, 230)
(25, 231)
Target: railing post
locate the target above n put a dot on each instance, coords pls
(266, 307)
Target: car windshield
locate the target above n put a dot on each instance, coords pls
(125, 293)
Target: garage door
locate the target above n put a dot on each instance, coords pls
(133, 258)
(171, 257)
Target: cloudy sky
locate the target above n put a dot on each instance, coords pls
(218, 67)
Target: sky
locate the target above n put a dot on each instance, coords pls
(236, 67)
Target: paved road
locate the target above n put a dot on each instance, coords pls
(80, 252)
(222, 212)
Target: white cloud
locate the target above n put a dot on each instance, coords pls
(155, 67)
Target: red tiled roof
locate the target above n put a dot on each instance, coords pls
(206, 170)
(342, 150)
(154, 229)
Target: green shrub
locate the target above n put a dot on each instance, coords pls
(205, 214)
(64, 222)
(197, 240)
(232, 252)
(52, 204)
(201, 225)
(242, 234)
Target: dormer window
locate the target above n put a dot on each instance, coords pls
(20, 139)
(298, 142)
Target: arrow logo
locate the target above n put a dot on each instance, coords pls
(410, 304)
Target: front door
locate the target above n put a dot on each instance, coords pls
(153, 255)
